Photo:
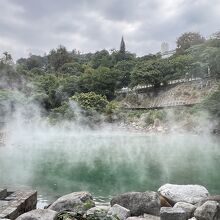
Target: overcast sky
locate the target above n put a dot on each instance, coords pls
(36, 26)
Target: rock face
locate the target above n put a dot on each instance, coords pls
(78, 202)
(39, 214)
(118, 212)
(187, 207)
(139, 202)
(208, 211)
(167, 213)
(183, 193)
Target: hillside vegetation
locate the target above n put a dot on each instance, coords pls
(62, 77)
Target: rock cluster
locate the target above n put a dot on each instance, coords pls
(171, 202)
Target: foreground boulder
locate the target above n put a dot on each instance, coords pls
(145, 217)
(39, 214)
(183, 193)
(187, 207)
(208, 211)
(139, 202)
(78, 202)
(167, 213)
(98, 212)
(164, 202)
(210, 198)
(118, 212)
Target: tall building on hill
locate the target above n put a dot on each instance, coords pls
(164, 47)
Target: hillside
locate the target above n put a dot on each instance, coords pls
(178, 94)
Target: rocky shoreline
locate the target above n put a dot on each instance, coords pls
(170, 202)
(164, 128)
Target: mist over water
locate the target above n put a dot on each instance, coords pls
(106, 161)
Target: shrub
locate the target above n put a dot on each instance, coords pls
(153, 115)
(91, 102)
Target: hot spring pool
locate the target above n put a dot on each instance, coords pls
(106, 162)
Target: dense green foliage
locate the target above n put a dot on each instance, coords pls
(55, 78)
(90, 101)
(187, 40)
(212, 104)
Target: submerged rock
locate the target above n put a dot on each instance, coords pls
(39, 214)
(139, 202)
(78, 202)
(167, 213)
(183, 193)
(208, 211)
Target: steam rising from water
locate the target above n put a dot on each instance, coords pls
(59, 160)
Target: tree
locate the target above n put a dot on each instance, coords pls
(9, 77)
(90, 101)
(152, 72)
(181, 65)
(7, 58)
(122, 46)
(101, 58)
(206, 56)
(212, 104)
(57, 58)
(121, 54)
(124, 69)
(71, 69)
(102, 81)
(69, 86)
(50, 85)
(187, 40)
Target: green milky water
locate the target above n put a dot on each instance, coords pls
(107, 163)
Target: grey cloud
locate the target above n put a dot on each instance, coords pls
(90, 25)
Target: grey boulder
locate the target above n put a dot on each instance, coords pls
(118, 212)
(78, 202)
(139, 202)
(151, 217)
(167, 213)
(183, 193)
(208, 211)
(145, 217)
(135, 218)
(187, 207)
(98, 212)
(39, 214)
